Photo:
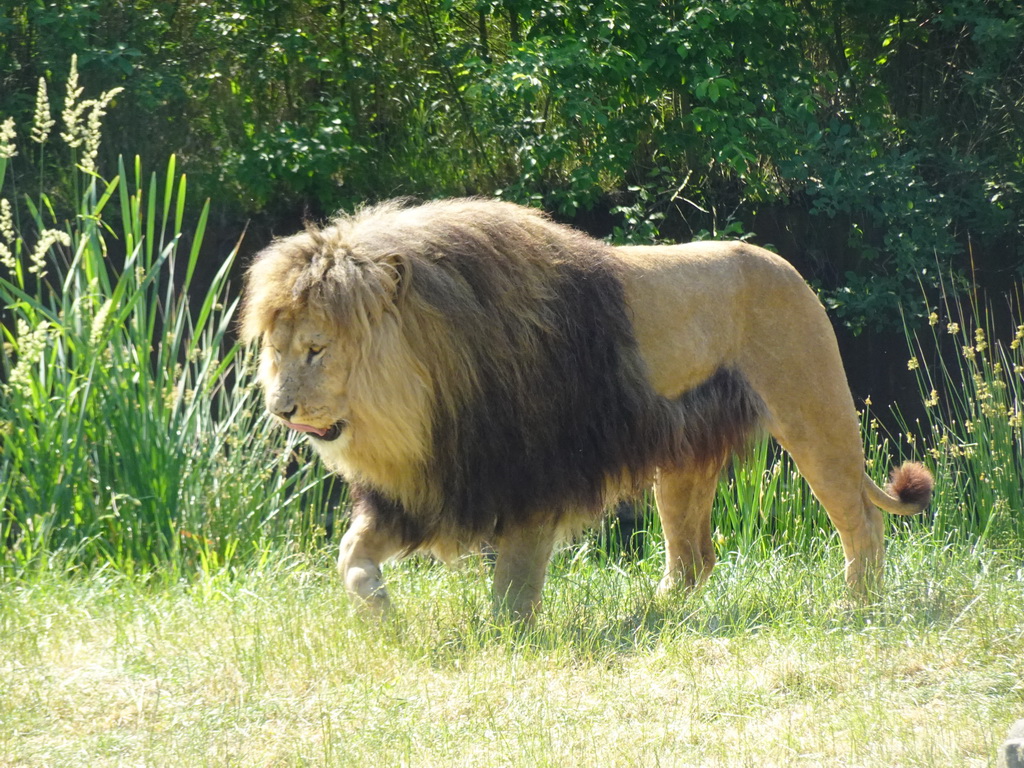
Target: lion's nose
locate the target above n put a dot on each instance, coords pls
(286, 415)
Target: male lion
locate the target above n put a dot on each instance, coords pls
(481, 374)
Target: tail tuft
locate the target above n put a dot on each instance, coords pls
(912, 483)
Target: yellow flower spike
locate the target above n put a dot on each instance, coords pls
(8, 148)
(42, 121)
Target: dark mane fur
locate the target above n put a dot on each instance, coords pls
(557, 407)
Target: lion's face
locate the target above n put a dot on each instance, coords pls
(303, 371)
(356, 391)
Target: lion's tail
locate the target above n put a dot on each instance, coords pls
(908, 492)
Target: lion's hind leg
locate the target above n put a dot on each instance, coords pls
(833, 465)
(685, 496)
(810, 411)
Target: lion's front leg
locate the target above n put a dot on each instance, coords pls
(520, 570)
(361, 552)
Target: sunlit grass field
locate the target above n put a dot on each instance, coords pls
(768, 665)
(167, 597)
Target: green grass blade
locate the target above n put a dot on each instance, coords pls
(197, 242)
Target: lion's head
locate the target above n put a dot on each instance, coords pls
(335, 358)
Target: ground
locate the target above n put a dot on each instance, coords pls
(768, 665)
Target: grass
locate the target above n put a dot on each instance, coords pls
(766, 666)
(971, 375)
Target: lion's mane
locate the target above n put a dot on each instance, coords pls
(493, 351)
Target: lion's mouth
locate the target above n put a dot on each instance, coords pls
(332, 432)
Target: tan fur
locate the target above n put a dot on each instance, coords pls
(402, 343)
(700, 306)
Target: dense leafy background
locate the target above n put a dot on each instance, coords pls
(877, 144)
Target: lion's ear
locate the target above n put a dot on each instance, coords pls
(399, 269)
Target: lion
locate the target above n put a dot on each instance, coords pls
(481, 375)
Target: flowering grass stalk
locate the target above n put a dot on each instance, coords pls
(971, 377)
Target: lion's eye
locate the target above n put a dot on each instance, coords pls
(314, 354)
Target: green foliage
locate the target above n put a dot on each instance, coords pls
(131, 432)
(880, 145)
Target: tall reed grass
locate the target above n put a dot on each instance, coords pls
(970, 372)
(130, 432)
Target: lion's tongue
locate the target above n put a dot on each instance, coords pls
(306, 428)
